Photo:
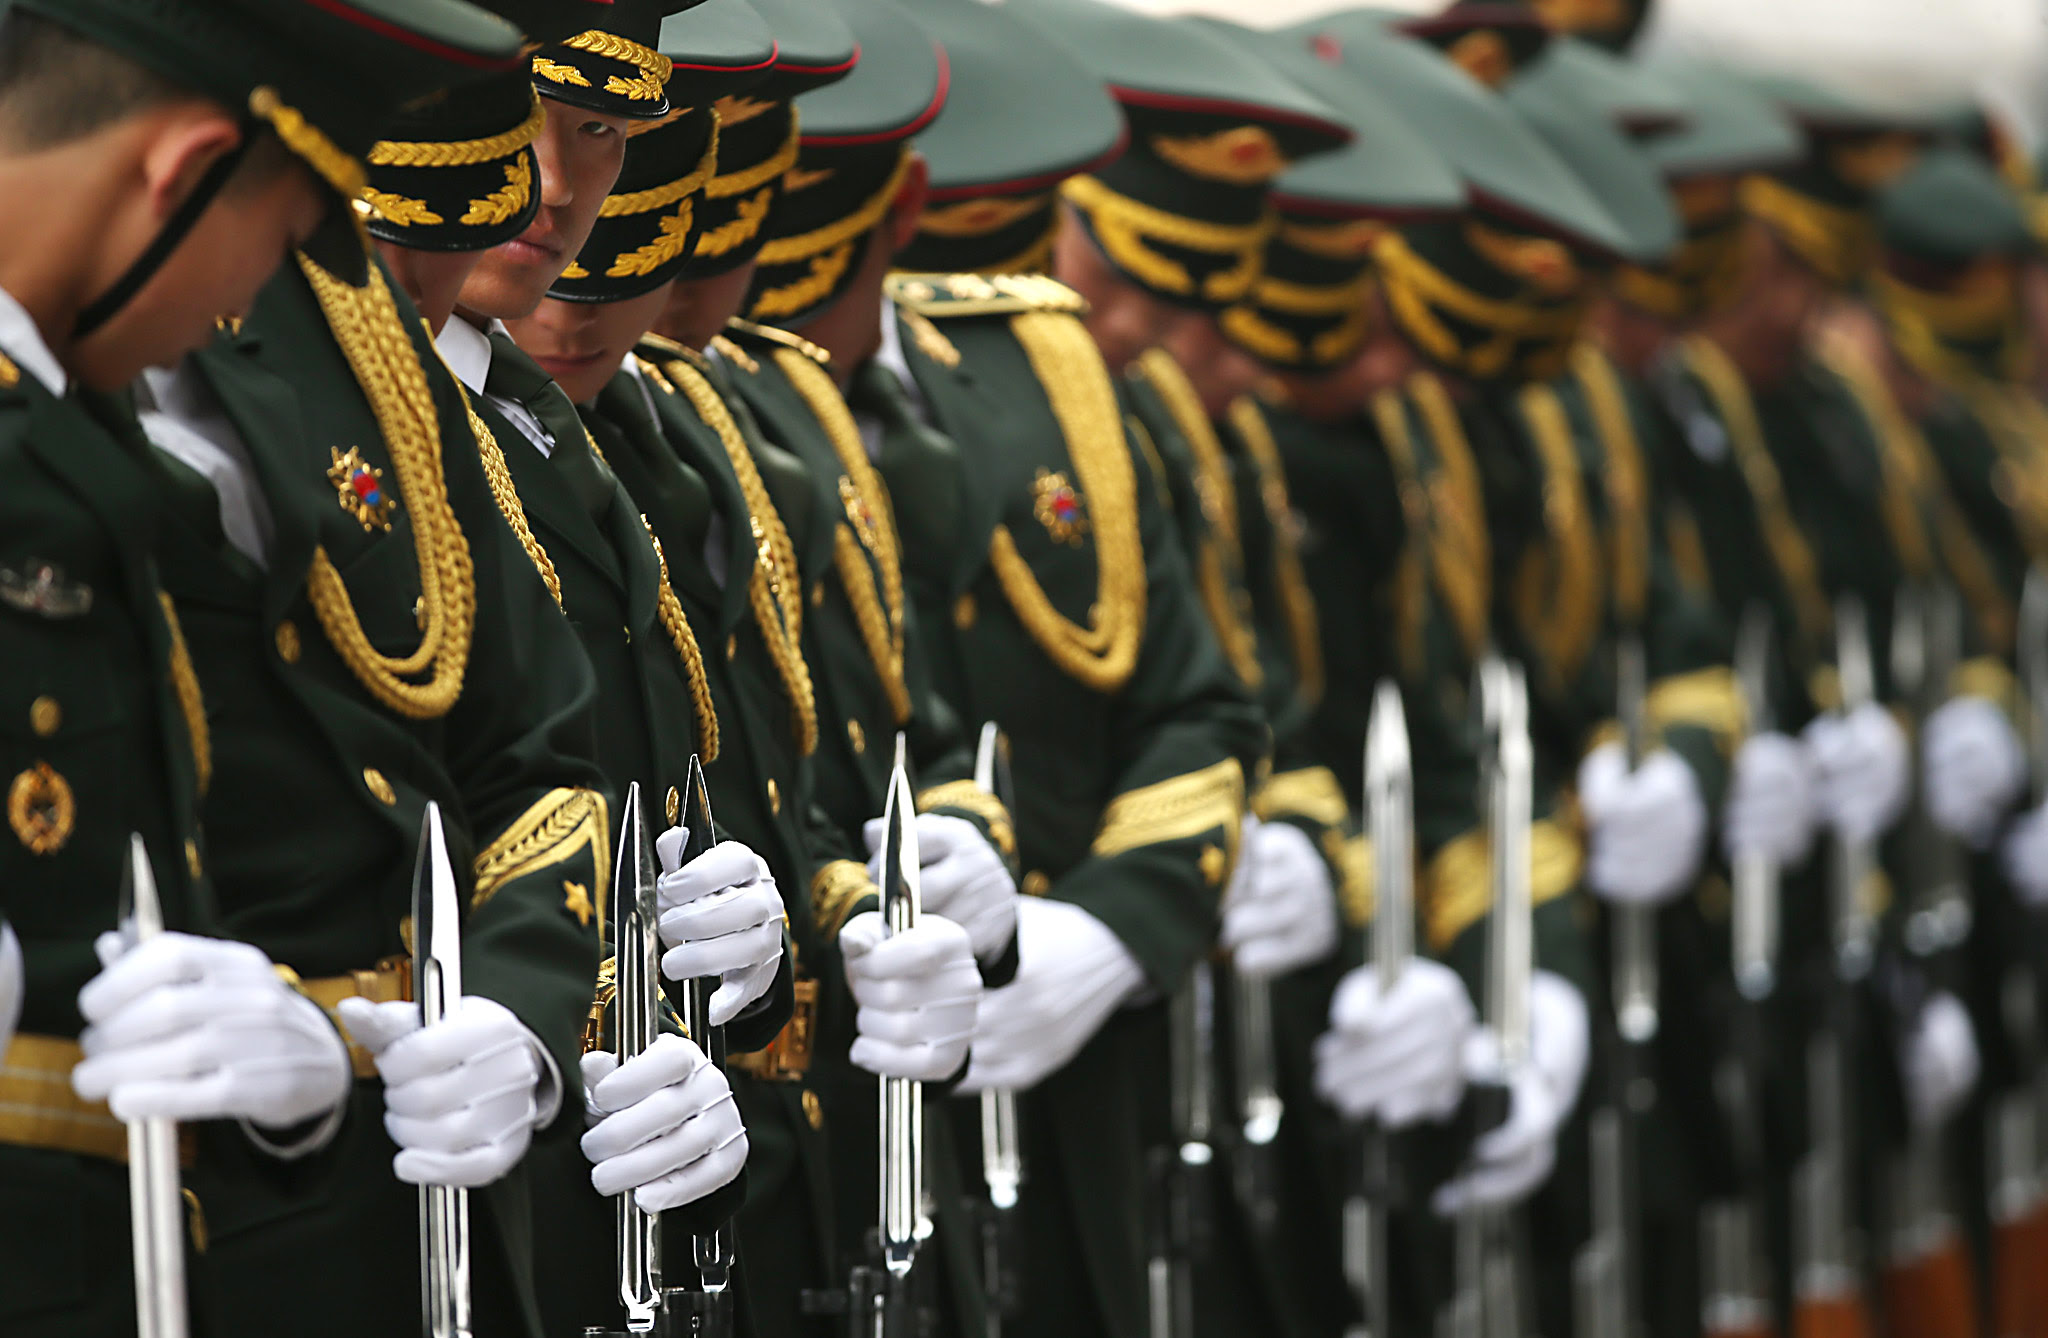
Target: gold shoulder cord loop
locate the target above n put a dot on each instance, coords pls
(1913, 479)
(1411, 579)
(365, 324)
(1461, 550)
(1558, 585)
(191, 705)
(1219, 563)
(684, 639)
(506, 494)
(1290, 582)
(775, 587)
(1102, 655)
(879, 613)
(1782, 535)
(1628, 497)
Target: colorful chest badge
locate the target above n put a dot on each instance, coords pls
(360, 489)
(1057, 504)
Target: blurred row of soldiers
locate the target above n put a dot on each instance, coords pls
(1461, 605)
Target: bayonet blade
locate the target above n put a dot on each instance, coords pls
(1390, 809)
(902, 1172)
(636, 1021)
(155, 1203)
(711, 1251)
(437, 984)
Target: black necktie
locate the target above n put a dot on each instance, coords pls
(514, 376)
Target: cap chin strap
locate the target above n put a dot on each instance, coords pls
(174, 232)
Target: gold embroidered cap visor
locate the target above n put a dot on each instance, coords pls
(755, 151)
(457, 172)
(830, 205)
(648, 224)
(1004, 234)
(1310, 309)
(1468, 316)
(322, 75)
(614, 66)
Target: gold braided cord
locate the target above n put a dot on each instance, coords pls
(2017, 424)
(968, 797)
(1033, 259)
(1307, 299)
(766, 173)
(1912, 478)
(1221, 601)
(611, 46)
(820, 277)
(191, 704)
(1398, 262)
(506, 494)
(1308, 792)
(1297, 602)
(1919, 337)
(804, 245)
(1254, 332)
(1794, 559)
(1836, 242)
(338, 168)
(775, 588)
(870, 528)
(1457, 885)
(365, 324)
(661, 197)
(1411, 579)
(836, 888)
(1559, 583)
(1077, 387)
(460, 152)
(1124, 227)
(684, 639)
(1628, 499)
(1176, 809)
(561, 823)
(1461, 552)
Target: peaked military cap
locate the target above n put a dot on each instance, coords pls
(1308, 309)
(1183, 211)
(1952, 207)
(455, 170)
(1640, 104)
(1609, 24)
(993, 206)
(322, 75)
(1624, 181)
(1953, 235)
(613, 66)
(1491, 40)
(852, 156)
(650, 223)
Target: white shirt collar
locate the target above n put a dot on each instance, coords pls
(24, 343)
(467, 351)
(890, 354)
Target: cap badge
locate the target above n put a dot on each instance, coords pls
(1244, 155)
(1057, 504)
(360, 489)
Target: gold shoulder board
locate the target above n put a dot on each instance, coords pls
(940, 296)
(772, 335)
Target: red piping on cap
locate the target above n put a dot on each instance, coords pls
(917, 123)
(1025, 185)
(1139, 97)
(846, 64)
(453, 55)
(723, 69)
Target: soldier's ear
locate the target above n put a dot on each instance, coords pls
(911, 198)
(185, 139)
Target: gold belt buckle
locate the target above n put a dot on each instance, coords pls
(788, 1057)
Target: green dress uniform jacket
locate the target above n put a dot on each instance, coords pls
(1035, 541)
(331, 732)
(104, 736)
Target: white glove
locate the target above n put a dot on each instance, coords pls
(960, 877)
(721, 915)
(1861, 758)
(1279, 912)
(1771, 797)
(462, 1097)
(1938, 1059)
(2025, 856)
(1648, 826)
(1072, 973)
(1974, 767)
(11, 986)
(664, 1125)
(1397, 1055)
(1512, 1162)
(917, 993)
(190, 1028)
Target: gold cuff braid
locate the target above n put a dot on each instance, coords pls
(1457, 885)
(1177, 809)
(1309, 792)
(836, 888)
(968, 797)
(554, 829)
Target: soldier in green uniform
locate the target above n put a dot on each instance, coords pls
(234, 108)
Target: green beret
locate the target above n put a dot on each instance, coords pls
(323, 75)
(1624, 181)
(757, 131)
(993, 207)
(852, 153)
(613, 66)
(1183, 211)
(1645, 107)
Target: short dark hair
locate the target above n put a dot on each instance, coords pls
(56, 86)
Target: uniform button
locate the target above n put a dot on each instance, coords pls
(675, 806)
(374, 782)
(732, 646)
(44, 715)
(774, 796)
(856, 736)
(419, 613)
(288, 641)
(192, 856)
(814, 1109)
(818, 595)
(1036, 883)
